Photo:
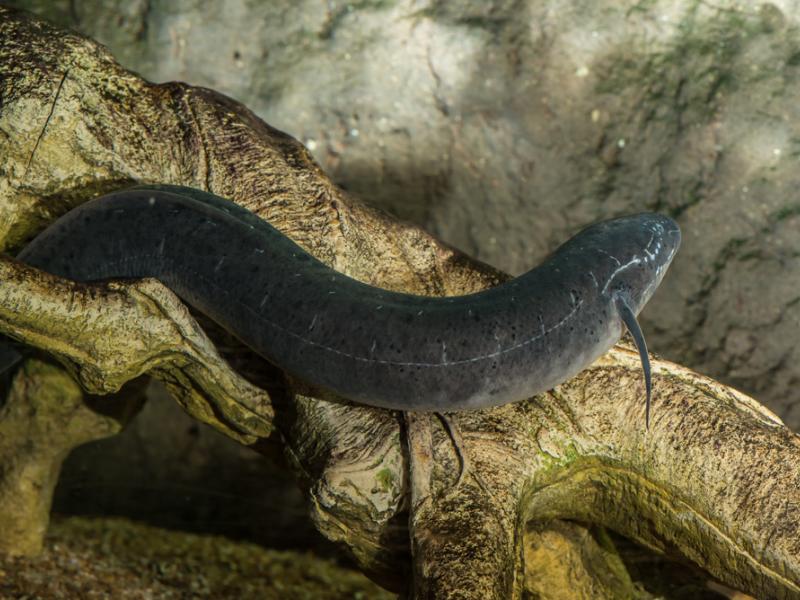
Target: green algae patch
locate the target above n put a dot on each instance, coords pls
(111, 557)
(385, 479)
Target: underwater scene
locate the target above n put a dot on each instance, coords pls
(399, 299)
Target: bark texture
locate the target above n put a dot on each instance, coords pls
(467, 505)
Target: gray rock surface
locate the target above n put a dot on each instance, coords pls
(504, 126)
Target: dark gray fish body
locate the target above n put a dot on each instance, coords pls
(370, 345)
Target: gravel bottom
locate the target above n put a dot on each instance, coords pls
(89, 558)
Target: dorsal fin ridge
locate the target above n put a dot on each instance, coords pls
(632, 324)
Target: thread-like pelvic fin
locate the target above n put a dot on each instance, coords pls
(638, 338)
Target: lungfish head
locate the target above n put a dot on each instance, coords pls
(647, 244)
(632, 254)
(628, 256)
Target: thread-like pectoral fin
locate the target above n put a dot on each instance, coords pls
(638, 338)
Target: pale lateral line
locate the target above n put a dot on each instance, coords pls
(365, 359)
(543, 332)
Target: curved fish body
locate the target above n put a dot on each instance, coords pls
(367, 344)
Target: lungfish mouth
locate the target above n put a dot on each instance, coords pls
(673, 230)
(674, 242)
(676, 236)
(669, 234)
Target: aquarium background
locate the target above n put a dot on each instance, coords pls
(502, 127)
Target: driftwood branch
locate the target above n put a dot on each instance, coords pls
(469, 512)
(107, 335)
